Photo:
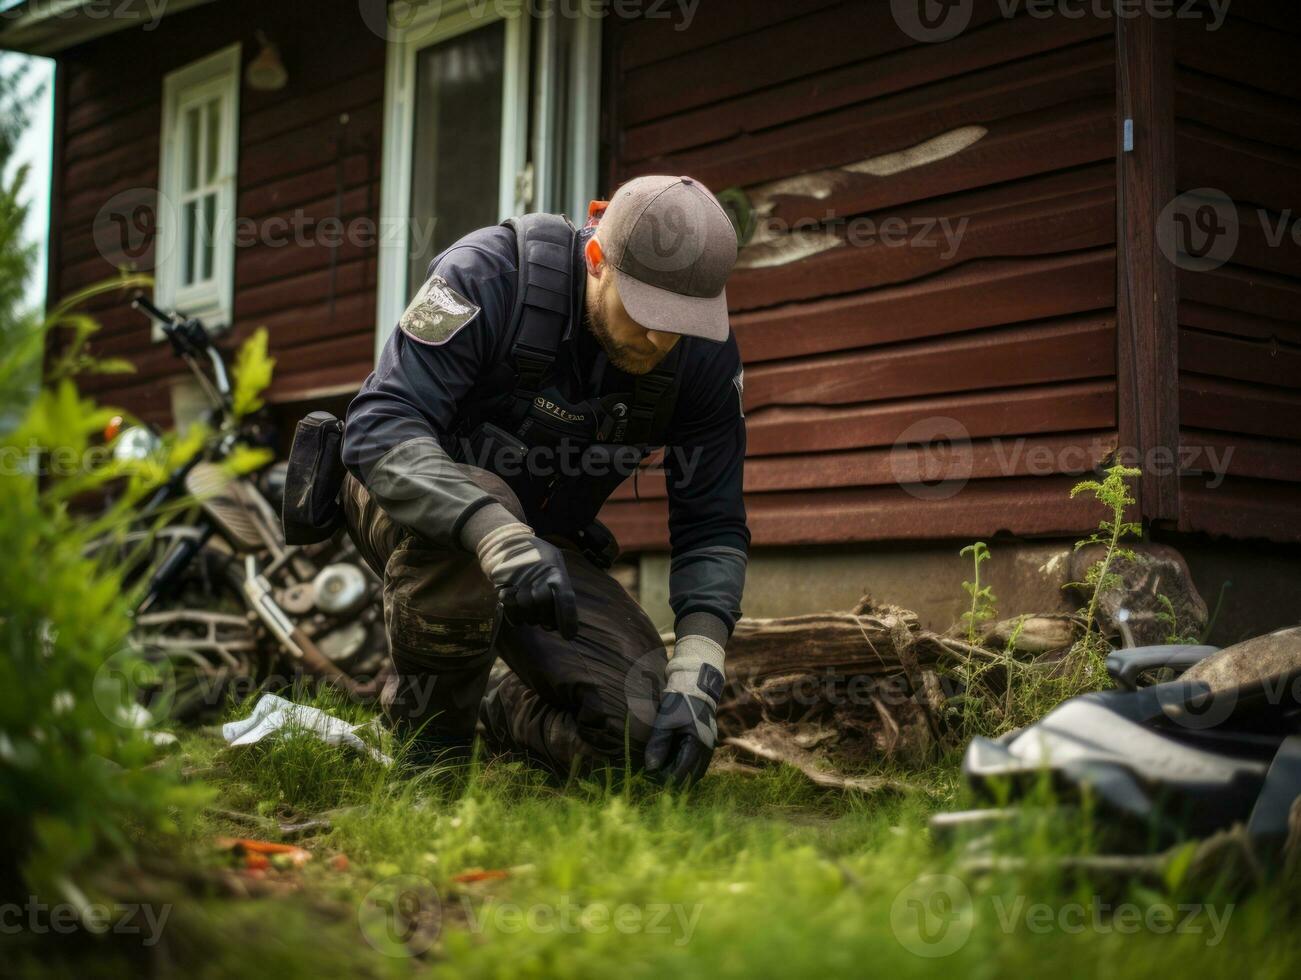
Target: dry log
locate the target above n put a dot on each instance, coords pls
(878, 640)
(1037, 634)
(771, 743)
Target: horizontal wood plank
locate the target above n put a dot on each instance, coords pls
(1066, 407)
(1243, 509)
(1265, 362)
(982, 509)
(752, 112)
(1045, 216)
(1050, 455)
(1239, 407)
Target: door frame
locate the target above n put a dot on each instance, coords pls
(434, 23)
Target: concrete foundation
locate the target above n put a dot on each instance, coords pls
(1261, 584)
(1025, 576)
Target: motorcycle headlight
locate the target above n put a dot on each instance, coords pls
(137, 442)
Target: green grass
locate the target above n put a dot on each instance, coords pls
(743, 876)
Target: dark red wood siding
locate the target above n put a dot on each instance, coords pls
(1238, 131)
(307, 153)
(1011, 333)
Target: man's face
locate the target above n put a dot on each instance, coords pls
(629, 346)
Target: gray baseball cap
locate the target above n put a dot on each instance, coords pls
(672, 247)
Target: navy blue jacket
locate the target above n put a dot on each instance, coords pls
(421, 391)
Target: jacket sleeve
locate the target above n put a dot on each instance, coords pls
(397, 437)
(704, 469)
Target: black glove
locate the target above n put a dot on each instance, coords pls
(531, 579)
(685, 732)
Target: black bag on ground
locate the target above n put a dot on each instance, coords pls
(1188, 758)
(311, 510)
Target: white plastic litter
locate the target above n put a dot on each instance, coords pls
(273, 715)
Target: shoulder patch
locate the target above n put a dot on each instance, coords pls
(437, 313)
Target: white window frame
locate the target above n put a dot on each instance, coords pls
(217, 73)
(439, 22)
(583, 129)
(430, 26)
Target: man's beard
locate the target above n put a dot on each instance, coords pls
(625, 358)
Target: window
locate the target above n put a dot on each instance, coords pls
(195, 246)
(456, 147)
(487, 115)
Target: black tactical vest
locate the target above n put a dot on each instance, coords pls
(562, 456)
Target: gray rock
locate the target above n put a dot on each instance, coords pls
(1257, 659)
(1158, 571)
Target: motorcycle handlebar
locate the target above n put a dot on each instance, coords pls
(189, 339)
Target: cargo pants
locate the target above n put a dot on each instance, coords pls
(569, 705)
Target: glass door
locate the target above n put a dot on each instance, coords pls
(456, 146)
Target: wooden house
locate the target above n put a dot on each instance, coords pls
(988, 246)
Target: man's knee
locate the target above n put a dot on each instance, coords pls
(438, 606)
(617, 716)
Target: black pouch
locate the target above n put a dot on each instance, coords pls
(311, 510)
(597, 542)
(493, 449)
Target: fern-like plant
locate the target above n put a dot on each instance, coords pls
(982, 597)
(1113, 493)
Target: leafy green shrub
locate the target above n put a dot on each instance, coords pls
(77, 778)
(1112, 492)
(1001, 690)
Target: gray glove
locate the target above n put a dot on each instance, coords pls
(685, 731)
(531, 579)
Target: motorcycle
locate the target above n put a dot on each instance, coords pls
(225, 600)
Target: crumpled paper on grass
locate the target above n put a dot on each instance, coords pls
(274, 715)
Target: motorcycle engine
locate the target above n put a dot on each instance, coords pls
(340, 589)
